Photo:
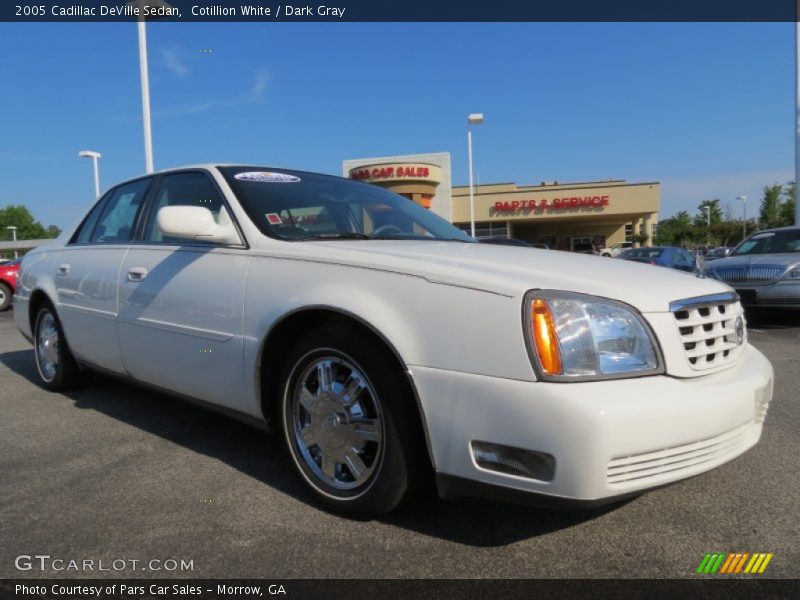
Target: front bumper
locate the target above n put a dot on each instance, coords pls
(778, 295)
(610, 439)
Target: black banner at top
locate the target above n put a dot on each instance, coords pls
(299, 11)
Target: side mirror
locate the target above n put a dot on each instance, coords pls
(196, 223)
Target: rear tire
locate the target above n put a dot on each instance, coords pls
(55, 364)
(6, 296)
(348, 422)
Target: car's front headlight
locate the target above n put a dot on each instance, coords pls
(793, 273)
(577, 337)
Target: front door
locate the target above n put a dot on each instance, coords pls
(181, 302)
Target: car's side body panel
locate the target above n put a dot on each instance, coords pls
(85, 281)
(406, 310)
(180, 326)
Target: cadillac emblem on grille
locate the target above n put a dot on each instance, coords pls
(739, 330)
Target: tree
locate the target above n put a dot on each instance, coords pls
(788, 206)
(677, 230)
(28, 228)
(770, 213)
(701, 220)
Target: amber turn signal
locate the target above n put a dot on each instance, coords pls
(545, 337)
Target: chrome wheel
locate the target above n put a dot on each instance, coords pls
(337, 422)
(47, 356)
(3, 295)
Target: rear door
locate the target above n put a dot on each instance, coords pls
(181, 301)
(86, 274)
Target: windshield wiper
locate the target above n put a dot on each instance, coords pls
(338, 235)
(417, 238)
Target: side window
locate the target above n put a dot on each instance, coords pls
(85, 231)
(184, 189)
(116, 222)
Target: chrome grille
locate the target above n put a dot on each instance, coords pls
(707, 327)
(749, 273)
(636, 467)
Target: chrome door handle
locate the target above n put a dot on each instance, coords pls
(63, 269)
(137, 273)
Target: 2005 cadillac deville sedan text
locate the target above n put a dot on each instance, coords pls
(384, 344)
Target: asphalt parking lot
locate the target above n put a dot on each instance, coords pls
(113, 471)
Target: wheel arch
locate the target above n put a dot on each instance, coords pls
(278, 340)
(38, 298)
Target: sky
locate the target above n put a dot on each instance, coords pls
(707, 110)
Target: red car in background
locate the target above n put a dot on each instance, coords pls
(8, 282)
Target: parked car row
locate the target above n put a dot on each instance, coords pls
(8, 282)
(764, 269)
(663, 256)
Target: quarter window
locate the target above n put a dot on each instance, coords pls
(84, 233)
(119, 214)
(184, 189)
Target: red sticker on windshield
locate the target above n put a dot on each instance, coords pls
(274, 219)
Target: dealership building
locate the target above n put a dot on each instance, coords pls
(565, 216)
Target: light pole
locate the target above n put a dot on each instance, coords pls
(797, 111)
(472, 119)
(143, 76)
(744, 215)
(707, 210)
(13, 230)
(94, 156)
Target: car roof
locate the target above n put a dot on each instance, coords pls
(776, 229)
(213, 166)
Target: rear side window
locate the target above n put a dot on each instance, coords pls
(84, 233)
(183, 189)
(115, 225)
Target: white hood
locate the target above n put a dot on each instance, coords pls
(513, 270)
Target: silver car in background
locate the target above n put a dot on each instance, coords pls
(764, 269)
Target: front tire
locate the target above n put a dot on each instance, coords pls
(347, 422)
(6, 296)
(55, 364)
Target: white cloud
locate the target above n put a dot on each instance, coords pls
(254, 95)
(171, 59)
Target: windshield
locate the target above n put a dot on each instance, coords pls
(770, 242)
(294, 205)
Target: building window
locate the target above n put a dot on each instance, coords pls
(629, 232)
(487, 230)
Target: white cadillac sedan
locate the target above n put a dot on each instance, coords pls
(385, 345)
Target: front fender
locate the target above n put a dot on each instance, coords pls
(427, 324)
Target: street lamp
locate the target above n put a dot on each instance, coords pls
(707, 210)
(94, 156)
(143, 76)
(13, 230)
(744, 215)
(472, 119)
